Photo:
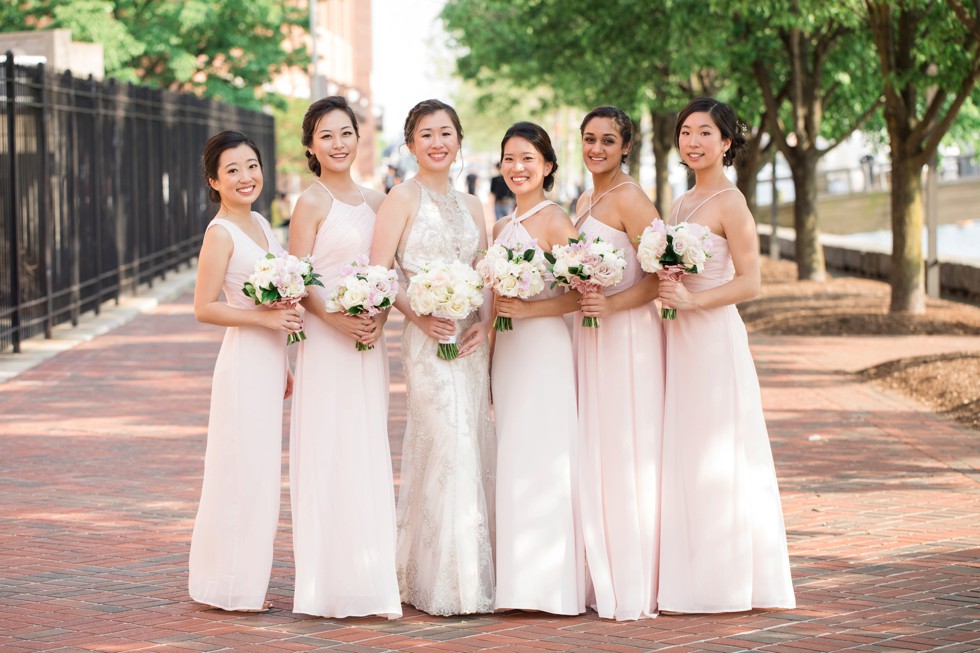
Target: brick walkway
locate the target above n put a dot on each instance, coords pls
(100, 467)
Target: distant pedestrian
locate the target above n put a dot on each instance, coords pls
(502, 196)
(471, 183)
(231, 548)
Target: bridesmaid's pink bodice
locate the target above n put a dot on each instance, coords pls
(243, 258)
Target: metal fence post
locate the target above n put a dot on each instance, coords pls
(12, 230)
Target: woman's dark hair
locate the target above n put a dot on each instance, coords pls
(316, 111)
(425, 108)
(538, 137)
(724, 117)
(217, 144)
(619, 117)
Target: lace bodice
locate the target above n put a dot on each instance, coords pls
(442, 230)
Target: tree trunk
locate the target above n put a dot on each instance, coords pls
(908, 291)
(633, 156)
(809, 252)
(747, 166)
(662, 140)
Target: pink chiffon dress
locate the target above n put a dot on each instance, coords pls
(231, 547)
(723, 544)
(620, 376)
(539, 553)
(341, 485)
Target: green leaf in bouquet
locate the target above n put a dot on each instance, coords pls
(270, 255)
(548, 256)
(528, 254)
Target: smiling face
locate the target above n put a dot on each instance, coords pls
(603, 148)
(435, 142)
(700, 142)
(334, 141)
(239, 180)
(523, 167)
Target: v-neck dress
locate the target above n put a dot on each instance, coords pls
(231, 548)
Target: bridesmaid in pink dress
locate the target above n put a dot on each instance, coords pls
(231, 548)
(723, 546)
(343, 501)
(540, 564)
(620, 386)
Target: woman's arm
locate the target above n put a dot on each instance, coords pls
(212, 265)
(743, 243)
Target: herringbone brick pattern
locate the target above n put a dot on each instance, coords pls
(100, 467)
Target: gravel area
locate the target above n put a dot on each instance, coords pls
(850, 306)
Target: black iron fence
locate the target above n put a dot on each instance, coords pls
(101, 190)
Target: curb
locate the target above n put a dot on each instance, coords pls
(38, 349)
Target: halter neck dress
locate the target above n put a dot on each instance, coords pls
(540, 558)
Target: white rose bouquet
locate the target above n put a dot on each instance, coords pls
(587, 266)
(281, 281)
(363, 290)
(447, 290)
(673, 251)
(512, 272)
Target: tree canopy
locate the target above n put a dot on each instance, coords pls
(216, 48)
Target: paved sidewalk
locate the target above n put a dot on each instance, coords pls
(101, 455)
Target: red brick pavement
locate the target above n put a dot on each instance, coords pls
(100, 467)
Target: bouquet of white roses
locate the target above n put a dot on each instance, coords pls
(587, 266)
(516, 271)
(673, 251)
(363, 290)
(281, 281)
(447, 290)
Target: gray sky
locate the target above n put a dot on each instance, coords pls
(407, 43)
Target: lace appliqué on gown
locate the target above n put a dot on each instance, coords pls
(445, 502)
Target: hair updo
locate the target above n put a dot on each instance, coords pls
(426, 108)
(619, 117)
(725, 119)
(317, 110)
(538, 137)
(211, 154)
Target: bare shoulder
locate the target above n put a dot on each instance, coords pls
(372, 197)
(473, 204)
(733, 204)
(312, 204)
(630, 195)
(555, 215)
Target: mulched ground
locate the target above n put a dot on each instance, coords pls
(849, 306)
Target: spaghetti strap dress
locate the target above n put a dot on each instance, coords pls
(341, 486)
(723, 543)
(620, 376)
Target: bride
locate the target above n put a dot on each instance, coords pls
(445, 503)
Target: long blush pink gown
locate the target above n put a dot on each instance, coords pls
(539, 554)
(231, 548)
(341, 488)
(723, 542)
(620, 404)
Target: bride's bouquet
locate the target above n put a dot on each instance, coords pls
(447, 290)
(280, 282)
(363, 290)
(671, 251)
(587, 266)
(512, 272)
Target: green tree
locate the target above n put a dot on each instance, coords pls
(630, 53)
(807, 59)
(217, 48)
(929, 60)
